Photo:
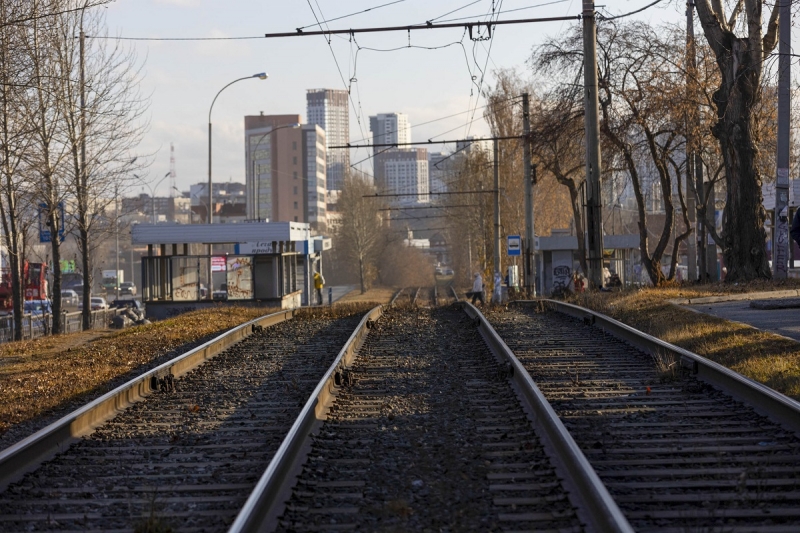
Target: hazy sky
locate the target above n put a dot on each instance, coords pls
(182, 77)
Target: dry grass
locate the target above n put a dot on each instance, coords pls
(764, 357)
(379, 295)
(38, 375)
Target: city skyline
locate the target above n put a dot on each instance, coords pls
(436, 77)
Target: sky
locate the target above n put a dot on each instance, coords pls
(441, 75)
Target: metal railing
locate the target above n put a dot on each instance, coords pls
(35, 326)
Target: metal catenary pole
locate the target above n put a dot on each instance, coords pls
(496, 209)
(593, 201)
(691, 199)
(528, 263)
(781, 223)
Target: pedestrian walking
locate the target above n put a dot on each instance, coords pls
(477, 289)
(319, 283)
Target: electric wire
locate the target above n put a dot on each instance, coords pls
(510, 10)
(648, 6)
(351, 14)
(356, 110)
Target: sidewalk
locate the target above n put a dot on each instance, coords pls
(764, 311)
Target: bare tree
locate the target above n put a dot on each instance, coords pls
(557, 135)
(102, 134)
(44, 108)
(741, 63)
(361, 233)
(15, 141)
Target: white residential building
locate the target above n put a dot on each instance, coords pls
(405, 173)
(330, 110)
(389, 128)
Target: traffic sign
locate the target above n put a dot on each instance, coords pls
(514, 245)
(44, 229)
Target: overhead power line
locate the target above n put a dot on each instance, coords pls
(427, 207)
(468, 25)
(484, 191)
(429, 141)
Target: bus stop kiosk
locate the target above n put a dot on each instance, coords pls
(264, 264)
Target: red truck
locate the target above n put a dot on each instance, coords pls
(34, 279)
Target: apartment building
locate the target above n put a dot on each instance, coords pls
(330, 110)
(286, 170)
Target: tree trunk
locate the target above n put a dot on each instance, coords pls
(743, 237)
(361, 274)
(86, 312)
(740, 61)
(55, 247)
(575, 200)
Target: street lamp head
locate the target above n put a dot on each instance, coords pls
(261, 75)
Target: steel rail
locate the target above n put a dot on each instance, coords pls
(394, 298)
(455, 294)
(414, 298)
(593, 500)
(25, 455)
(764, 400)
(265, 504)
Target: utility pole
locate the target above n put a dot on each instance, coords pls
(496, 209)
(691, 120)
(82, 185)
(116, 235)
(527, 177)
(594, 223)
(780, 241)
(695, 162)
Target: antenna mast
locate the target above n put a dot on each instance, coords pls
(171, 170)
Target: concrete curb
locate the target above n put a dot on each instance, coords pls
(736, 297)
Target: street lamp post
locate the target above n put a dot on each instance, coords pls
(153, 192)
(261, 76)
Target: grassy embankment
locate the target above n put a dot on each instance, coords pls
(770, 359)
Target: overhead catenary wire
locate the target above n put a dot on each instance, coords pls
(503, 12)
(429, 141)
(426, 207)
(446, 193)
(375, 8)
(415, 27)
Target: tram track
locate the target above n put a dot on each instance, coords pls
(187, 456)
(428, 435)
(675, 452)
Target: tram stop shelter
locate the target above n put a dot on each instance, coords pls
(191, 266)
(559, 260)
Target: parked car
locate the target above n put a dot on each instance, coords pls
(69, 297)
(127, 287)
(448, 272)
(37, 307)
(136, 305)
(219, 295)
(133, 310)
(97, 303)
